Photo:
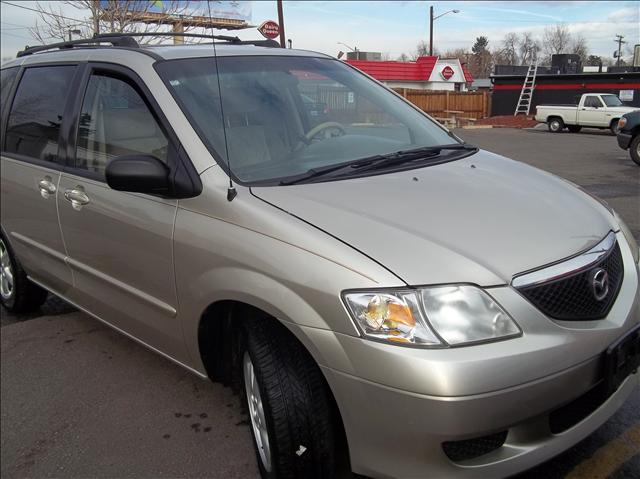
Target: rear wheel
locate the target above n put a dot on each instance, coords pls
(17, 293)
(555, 125)
(288, 403)
(574, 128)
(614, 127)
(634, 149)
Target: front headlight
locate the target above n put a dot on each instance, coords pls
(437, 316)
(633, 244)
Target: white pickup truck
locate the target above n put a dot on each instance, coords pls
(595, 110)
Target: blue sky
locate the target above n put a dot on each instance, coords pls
(395, 27)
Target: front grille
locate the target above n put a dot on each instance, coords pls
(572, 298)
(472, 448)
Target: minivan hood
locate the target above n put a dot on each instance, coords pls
(481, 219)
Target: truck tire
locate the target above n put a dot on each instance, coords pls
(555, 125)
(614, 127)
(17, 293)
(574, 128)
(288, 402)
(634, 149)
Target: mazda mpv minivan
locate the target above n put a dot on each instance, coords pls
(385, 297)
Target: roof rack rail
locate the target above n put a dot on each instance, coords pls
(126, 40)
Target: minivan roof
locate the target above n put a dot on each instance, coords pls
(162, 51)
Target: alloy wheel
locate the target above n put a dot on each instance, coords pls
(6, 272)
(256, 413)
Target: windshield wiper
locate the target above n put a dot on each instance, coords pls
(405, 156)
(378, 161)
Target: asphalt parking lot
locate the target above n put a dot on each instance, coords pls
(79, 400)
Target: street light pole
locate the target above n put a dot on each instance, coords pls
(281, 22)
(431, 31)
(431, 20)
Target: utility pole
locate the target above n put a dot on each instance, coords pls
(619, 41)
(281, 22)
(96, 16)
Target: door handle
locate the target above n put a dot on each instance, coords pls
(46, 187)
(77, 197)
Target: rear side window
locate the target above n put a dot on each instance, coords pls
(34, 121)
(6, 82)
(114, 121)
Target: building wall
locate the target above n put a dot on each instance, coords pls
(418, 85)
(561, 89)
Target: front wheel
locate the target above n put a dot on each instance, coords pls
(555, 125)
(288, 404)
(614, 127)
(17, 293)
(634, 149)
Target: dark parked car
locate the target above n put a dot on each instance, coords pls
(629, 134)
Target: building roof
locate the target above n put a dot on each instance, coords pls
(420, 70)
(467, 74)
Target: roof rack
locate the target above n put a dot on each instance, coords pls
(127, 40)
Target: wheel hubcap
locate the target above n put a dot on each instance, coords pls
(256, 413)
(6, 272)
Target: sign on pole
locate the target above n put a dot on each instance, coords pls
(269, 29)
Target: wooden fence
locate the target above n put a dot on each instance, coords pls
(474, 104)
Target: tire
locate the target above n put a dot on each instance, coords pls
(282, 380)
(17, 293)
(614, 127)
(555, 125)
(634, 149)
(574, 128)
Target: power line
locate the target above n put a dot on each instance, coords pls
(47, 13)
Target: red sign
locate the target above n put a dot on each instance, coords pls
(269, 29)
(447, 72)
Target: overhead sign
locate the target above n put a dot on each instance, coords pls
(447, 72)
(269, 29)
(231, 9)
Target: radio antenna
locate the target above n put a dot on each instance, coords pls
(231, 191)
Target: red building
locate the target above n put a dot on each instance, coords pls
(426, 73)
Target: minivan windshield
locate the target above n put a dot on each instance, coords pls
(269, 118)
(611, 100)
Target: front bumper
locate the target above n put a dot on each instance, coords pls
(399, 405)
(624, 140)
(400, 434)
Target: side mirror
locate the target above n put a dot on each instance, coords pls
(138, 174)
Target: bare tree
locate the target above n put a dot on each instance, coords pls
(556, 39)
(528, 48)
(422, 50)
(579, 47)
(508, 54)
(117, 17)
(404, 57)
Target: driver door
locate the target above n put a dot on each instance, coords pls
(119, 244)
(592, 112)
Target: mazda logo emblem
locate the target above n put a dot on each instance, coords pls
(599, 280)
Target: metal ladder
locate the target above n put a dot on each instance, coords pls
(524, 102)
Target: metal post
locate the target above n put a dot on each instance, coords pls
(431, 31)
(281, 22)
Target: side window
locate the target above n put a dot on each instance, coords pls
(34, 121)
(6, 82)
(592, 101)
(115, 121)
